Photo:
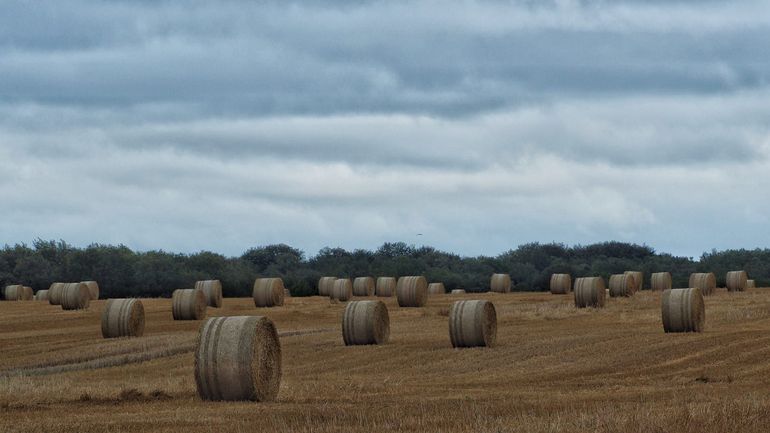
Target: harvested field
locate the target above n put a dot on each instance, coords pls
(553, 368)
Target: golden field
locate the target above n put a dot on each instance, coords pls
(554, 369)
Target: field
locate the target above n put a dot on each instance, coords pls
(554, 369)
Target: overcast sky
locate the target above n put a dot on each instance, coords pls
(191, 125)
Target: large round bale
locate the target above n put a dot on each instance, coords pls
(736, 281)
(13, 292)
(365, 322)
(342, 290)
(54, 293)
(123, 318)
(683, 310)
(622, 285)
(705, 281)
(436, 289)
(561, 284)
(268, 292)
(93, 289)
(750, 284)
(238, 358)
(363, 286)
(500, 283)
(660, 281)
(590, 292)
(325, 285)
(188, 304)
(212, 290)
(472, 323)
(75, 296)
(458, 291)
(386, 286)
(41, 295)
(638, 279)
(27, 294)
(412, 291)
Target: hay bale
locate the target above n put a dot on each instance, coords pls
(54, 293)
(638, 279)
(436, 289)
(93, 289)
(751, 284)
(561, 284)
(622, 285)
(683, 310)
(458, 291)
(212, 290)
(363, 286)
(590, 292)
(736, 281)
(41, 295)
(27, 294)
(325, 285)
(75, 296)
(412, 291)
(500, 283)
(286, 293)
(123, 318)
(238, 358)
(188, 304)
(705, 281)
(342, 290)
(660, 281)
(13, 292)
(472, 324)
(386, 286)
(268, 292)
(365, 322)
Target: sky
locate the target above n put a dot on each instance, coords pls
(470, 126)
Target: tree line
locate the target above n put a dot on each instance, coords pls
(122, 272)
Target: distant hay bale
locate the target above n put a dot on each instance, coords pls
(590, 292)
(751, 284)
(342, 290)
(238, 358)
(683, 310)
(75, 296)
(386, 286)
(41, 295)
(561, 284)
(736, 281)
(660, 281)
(325, 285)
(212, 290)
(188, 304)
(268, 292)
(363, 286)
(54, 293)
(286, 293)
(93, 289)
(365, 322)
(638, 279)
(436, 289)
(13, 292)
(123, 318)
(458, 291)
(622, 285)
(705, 281)
(27, 294)
(500, 283)
(472, 323)
(412, 291)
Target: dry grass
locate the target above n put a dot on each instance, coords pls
(554, 369)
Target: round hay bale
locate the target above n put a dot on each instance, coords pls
(13, 292)
(365, 322)
(54, 293)
(561, 284)
(436, 289)
(286, 293)
(472, 323)
(458, 291)
(75, 296)
(212, 290)
(93, 289)
(342, 290)
(638, 279)
(705, 281)
(27, 294)
(386, 286)
(500, 283)
(123, 318)
(41, 295)
(660, 281)
(268, 292)
(736, 281)
(363, 286)
(683, 310)
(325, 285)
(590, 292)
(412, 291)
(751, 284)
(188, 304)
(238, 358)
(622, 285)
